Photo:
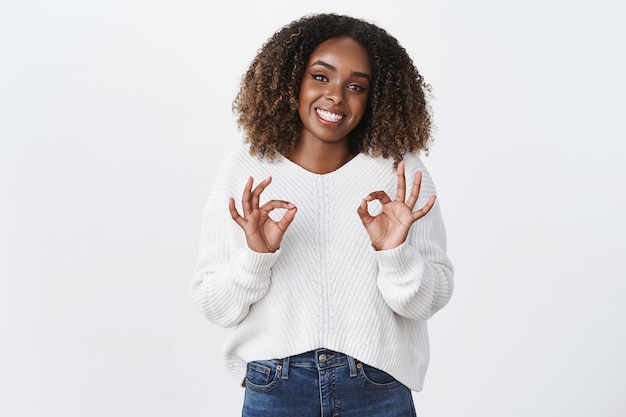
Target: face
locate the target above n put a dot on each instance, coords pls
(334, 90)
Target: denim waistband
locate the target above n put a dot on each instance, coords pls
(319, 359)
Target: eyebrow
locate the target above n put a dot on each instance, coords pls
(332, 68)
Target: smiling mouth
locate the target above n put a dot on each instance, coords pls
(328, 116)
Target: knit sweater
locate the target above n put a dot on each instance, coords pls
(326, 287)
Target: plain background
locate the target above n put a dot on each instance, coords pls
(115, 117)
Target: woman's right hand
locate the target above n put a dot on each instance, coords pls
(262, 233)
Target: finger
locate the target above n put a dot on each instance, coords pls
(288, 217)
(378, 195)
(246, 204)
(415, 190)
(401, 191)
(364, 214)
(424, 210)
(234, 213)
(256, 194)
(276, 204)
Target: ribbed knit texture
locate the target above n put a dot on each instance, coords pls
(326, 286)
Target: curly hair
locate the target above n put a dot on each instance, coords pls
(397, 119)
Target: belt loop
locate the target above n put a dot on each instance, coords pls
(352, 366)
(285, 371)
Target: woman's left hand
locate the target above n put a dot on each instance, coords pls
(390, 228)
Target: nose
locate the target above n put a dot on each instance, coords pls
(334, 94)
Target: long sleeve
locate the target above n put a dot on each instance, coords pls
(227, 280)
(416, 278)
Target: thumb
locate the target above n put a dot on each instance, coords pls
(288, 217)
(364, 214)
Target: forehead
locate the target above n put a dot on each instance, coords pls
(342, 52)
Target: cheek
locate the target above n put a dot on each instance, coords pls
(359, 106)
(304, 99)
(306, 95)
(302, 105)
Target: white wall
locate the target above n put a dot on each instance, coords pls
(114, 117)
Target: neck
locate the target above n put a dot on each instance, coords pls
(320, 157)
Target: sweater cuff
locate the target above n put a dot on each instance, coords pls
(397, 261)
(253, 263)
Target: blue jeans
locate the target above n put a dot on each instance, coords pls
(323, 383)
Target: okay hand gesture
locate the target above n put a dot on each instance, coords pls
(262, 233)
(390, 228)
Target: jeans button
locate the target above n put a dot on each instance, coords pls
(322, 358)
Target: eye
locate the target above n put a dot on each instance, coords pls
(357, 88)
(319, 77)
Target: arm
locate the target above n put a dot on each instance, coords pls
(415, 275)
(227, 280)
(416, 278)
(231, 275)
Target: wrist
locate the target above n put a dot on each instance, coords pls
(382, 247)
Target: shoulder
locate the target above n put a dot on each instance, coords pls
(411, 161)
(240, 161)
(239, 155)
(414, 163)
(234, 171)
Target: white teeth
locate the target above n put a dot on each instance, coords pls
(328, 116)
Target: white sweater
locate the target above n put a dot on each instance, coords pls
(326, 287)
